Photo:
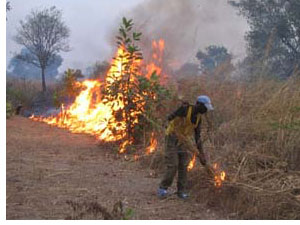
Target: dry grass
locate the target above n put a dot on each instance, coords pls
(20, 91)
(256, 140)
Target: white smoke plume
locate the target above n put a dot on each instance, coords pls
(190, 25)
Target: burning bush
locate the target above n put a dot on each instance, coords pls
(117, 109)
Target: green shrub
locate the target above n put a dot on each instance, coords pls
(9, 110)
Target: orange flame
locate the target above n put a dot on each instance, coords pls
(157, 57)
(153, 143)
(219, 176)
(95, 114)
(192, 163)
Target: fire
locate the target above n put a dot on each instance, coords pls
(157, 58)
(153, 143)
(97, 114)
(192, 163)
(219, 176)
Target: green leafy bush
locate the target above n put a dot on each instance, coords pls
(9, 110)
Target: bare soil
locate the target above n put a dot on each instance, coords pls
(46, 167)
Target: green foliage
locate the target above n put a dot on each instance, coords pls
(69, 89)
(128, 214)
(137, 91)
(21, 91)
(14, 94)
(127, 85)
(212, 57)
(274, 36)
(294, 125)
(9, 110)
(155, 95)
(295, 109)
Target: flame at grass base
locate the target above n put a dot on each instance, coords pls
(219, 176)
(88, 116)
(153, 143)
(192, 163)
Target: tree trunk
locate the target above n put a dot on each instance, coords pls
(43, 79)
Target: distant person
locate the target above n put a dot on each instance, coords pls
(184, 123)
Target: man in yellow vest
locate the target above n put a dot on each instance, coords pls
(184, 123)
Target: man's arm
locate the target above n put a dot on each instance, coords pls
(180, 112)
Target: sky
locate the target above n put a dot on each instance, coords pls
(92, 23)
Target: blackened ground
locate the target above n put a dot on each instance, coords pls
(48, 167)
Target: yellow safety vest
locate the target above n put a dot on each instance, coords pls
(183, 127)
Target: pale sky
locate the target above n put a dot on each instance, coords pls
(91, 23)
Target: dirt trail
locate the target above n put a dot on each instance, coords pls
(48, 166)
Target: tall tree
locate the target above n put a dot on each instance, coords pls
(212, 57)
(44, 34)
(274, 36)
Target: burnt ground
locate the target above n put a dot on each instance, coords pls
(47, 167)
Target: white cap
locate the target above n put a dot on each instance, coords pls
(206, 101)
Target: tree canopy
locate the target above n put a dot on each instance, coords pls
(274, 36)
(44, 35)
(212, 57)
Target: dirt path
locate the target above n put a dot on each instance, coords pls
(48, 166)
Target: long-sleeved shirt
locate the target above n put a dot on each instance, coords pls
(182, 112)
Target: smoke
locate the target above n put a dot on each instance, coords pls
(190, 25)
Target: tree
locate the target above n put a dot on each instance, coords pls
(44, 35)
(274, 36)
(212, 57)
(141, 96)
(25, 70)
(124, 81)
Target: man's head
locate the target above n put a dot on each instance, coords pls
(203, 104)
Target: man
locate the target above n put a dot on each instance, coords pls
(183, 123)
